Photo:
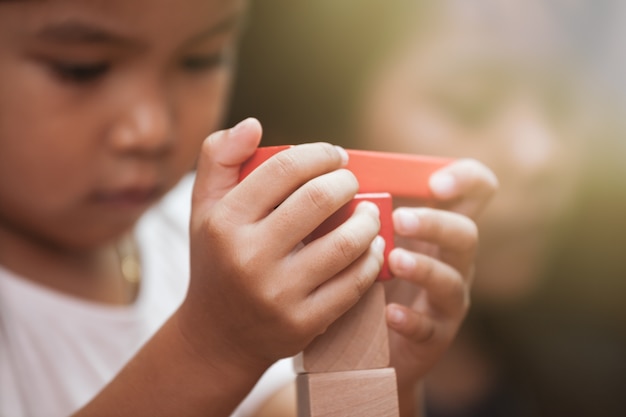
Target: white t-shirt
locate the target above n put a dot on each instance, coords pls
(57, 352)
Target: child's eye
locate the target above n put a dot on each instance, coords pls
(199, 63)
(79, 72)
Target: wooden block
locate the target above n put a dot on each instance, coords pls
(357, 340)
(401, 175)
(259, 156)
(385, 206)
(364, 393)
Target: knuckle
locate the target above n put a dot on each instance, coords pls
(302, 325)
(349, 180)
(206, 148)
(426, 270)
(273, 300)
(430, 222)
(348, 244)
(362, 281)
(468, 242)
(319, 194)
(479, 170)
(491, 181)
(286, 164)
(329, 150)
(454, 291)
(214, 226)
(436, 229)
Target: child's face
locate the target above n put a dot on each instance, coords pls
(103, 107)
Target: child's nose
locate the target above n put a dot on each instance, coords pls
(145, 123)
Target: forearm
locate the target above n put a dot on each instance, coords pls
(168, 377)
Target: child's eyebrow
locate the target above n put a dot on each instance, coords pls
(79, 32)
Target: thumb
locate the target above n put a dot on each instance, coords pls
(220, 159)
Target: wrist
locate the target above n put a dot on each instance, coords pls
(214, 355)
(170, 376)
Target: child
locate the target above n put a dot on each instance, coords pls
(104, 107)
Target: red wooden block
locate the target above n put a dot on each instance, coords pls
(385, 205)
(259, 156)
(401, 175)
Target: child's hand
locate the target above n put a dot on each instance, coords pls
(433, 263)
(430, 295)
(465, 186)
(256, 293)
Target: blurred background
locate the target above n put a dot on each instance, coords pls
(535, 90)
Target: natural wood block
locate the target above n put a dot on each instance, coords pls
(364, 393)
(357, 340)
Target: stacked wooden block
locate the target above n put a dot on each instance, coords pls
(345, 371)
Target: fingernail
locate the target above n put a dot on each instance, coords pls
(378, 244)
(369, 206)
(343, 154)
(406, 261)
(407, 220)
(239, 126)
(396, 316)
(443, 185)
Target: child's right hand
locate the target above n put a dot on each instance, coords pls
(256, 293)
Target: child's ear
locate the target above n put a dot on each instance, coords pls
(221, 157)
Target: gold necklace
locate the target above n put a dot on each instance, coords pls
(130, 265)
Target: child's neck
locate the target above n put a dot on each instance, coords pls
(92, 274)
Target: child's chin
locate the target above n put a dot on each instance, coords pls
(97, 235)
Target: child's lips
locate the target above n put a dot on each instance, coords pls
(130, 197)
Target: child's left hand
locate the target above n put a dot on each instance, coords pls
(433, 263)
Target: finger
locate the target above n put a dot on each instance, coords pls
(455, 235)
(310, 205)
(221, 155)
(446, 289)
(281, 175)
(465, 186)
(332, 253)
(337, 295)
(417, 328)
